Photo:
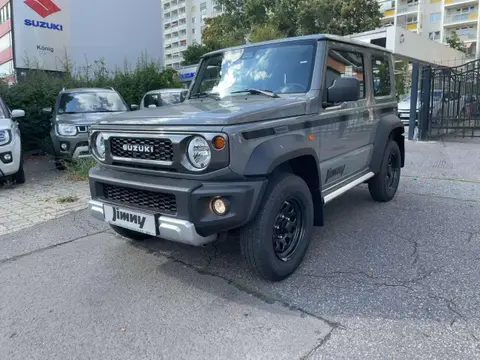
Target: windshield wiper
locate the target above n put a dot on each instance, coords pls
(268, 93)
(207, 94)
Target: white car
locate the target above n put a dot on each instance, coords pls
(162, 97)
(11, 157)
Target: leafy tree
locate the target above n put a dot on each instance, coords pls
(455, 42)
(193, 53)
(223, 31)
(264, 33)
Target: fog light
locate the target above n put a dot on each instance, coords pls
(64, 146)
(7, 157)
(220, 206)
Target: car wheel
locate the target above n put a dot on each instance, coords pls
(130, 234)
(384, 185)
(20, 175)
(275, 242)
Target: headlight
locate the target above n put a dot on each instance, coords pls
(199, 152)
(99, 146)
(67, 130)
(5, 137)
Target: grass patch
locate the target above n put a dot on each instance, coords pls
(78, 169)
(66, 199)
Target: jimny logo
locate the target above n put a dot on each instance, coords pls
(43, 8)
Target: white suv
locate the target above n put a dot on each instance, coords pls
(11, 158)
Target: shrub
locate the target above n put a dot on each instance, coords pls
(38, 89)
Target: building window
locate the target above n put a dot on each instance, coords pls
(381, 76)
(193, 20)
(193, 31)
(435, 17)
(203, 7)
(342, 63)
(434, 35)
(5, 13)
(6, 41)
(411, 19)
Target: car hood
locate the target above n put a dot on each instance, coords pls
(83, 119)
(214, 112)
(5, 124)
(405, 105)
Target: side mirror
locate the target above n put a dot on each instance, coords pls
(17, 113)
(344, 89)
(133, 107)
(47, 111)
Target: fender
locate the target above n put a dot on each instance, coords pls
(267, 156)
(271, 153)
(386, 125)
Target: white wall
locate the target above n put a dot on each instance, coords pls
(115, 30)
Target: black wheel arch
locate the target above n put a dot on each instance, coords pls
(389, 128)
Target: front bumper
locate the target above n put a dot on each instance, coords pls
(77, 146)
(189, 218)
(10, 168)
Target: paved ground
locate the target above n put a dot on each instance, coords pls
(381, 281)
(46, 195)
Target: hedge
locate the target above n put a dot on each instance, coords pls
(39, 89)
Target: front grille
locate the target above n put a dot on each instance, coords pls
(162, 148)
(158, 202)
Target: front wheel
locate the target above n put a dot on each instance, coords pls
(275, 242)
(130, 234)
(384, 185)
(20, 175)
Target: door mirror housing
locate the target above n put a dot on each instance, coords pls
(47, 111)
(343, 89)
(133, 107)
(17, 113)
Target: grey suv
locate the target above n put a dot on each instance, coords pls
(75, 110)
(269, 133)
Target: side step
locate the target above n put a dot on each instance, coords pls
(349, 186)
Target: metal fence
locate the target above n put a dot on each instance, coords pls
(450, 101)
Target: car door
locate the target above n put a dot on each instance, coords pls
(343, 134)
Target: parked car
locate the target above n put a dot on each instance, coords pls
(162, 97)
(269, 133)
(75, 110)
(11, 157)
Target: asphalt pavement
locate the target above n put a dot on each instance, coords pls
(380, 281)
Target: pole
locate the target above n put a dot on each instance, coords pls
(413, 100)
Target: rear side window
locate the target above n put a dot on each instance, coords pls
(343, 64)
(381, 76)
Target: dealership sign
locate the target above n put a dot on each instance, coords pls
(41, 33)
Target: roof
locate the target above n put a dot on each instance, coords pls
(88, 90)
(318, 37)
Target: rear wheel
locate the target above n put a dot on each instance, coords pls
(130, 234)
(384, 185)
(275, 242)
(59, 164)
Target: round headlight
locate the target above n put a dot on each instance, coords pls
(199, 152)
(100, 146)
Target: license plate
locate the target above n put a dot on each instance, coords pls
(130, 219)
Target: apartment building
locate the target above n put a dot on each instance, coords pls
(436, 19)
(183, 22)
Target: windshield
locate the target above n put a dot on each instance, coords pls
(89, 102)
(162, 99)
(282, 68)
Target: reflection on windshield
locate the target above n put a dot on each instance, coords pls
(282, 68)
(88, 102)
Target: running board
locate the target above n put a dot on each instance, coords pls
(347, 187)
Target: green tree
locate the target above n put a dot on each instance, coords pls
(264, 33)
(193, 53)
(455, 42)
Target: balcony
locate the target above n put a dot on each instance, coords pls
(410, 26)
(407, 9)
(389, 13)
(453, 3)
(468, 18)
(467, 37)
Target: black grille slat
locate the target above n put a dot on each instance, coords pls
(159, 202)
(163, 148)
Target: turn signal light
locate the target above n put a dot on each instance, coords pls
(218, 142)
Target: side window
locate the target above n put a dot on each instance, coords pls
(343, 64)
(381, 76)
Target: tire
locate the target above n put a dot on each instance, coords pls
(285, 192)
(20, 175)
(384, 185)
(130, 234)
